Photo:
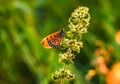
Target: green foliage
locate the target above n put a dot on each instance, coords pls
(24, 23)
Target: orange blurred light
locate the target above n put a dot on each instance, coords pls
(117, 37)
(90, 74)
(113, 77)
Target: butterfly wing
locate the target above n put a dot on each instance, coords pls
(44, 42)
(53, 40)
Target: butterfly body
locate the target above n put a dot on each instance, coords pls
(53, 40)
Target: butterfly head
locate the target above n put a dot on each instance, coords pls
(62, 33)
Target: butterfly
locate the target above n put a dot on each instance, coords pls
(53, 40)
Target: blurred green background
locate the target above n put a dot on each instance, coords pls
(24, 23)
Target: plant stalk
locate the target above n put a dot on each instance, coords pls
(62, 80)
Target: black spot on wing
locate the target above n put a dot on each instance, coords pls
(47, 39)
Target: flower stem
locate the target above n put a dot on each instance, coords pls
(62, 80)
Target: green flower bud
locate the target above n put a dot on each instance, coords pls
(63, 74)
(66, 58)
(79, 19)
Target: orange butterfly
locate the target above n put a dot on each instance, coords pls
(53, 40)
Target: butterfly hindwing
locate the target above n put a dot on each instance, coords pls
(54, 41)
